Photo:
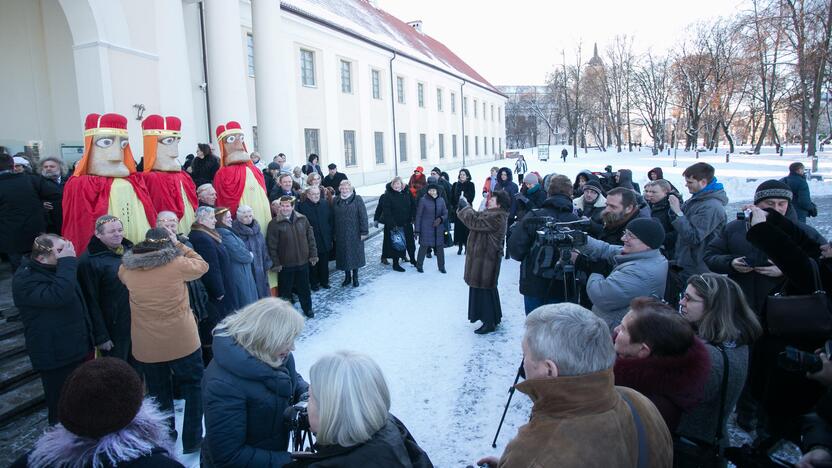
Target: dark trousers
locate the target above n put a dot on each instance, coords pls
(440, 256)
(296, 278)
(319, 274)
(121, 348)
(519, 179)
(187, 372)
(53, 380)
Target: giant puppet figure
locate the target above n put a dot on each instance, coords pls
(105, 182)
(239, 182)
(169, 187)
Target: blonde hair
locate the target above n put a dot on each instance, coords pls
(264, 329)
(311, 177)
(728, 317)
(352, 396)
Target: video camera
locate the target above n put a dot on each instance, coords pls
(563, 235)
(296, 419)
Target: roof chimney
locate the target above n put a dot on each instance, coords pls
(417, 25)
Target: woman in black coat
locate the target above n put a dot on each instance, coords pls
(320, 216)
(204, 166)
(249, 384)
(462, 187)
(397, 211)
(54, 314)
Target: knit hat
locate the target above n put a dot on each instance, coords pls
(436, 170)
(531, 178)
(772, 189)
(432, 180)
(419, 169)
(648, 231)
(332, 166)
(100, 397)
(593, 185)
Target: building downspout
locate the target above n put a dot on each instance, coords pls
(462, 118)
(393, 115)
(205, 69)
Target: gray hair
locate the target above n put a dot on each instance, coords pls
(60, 162)
(203, 212)
(663, 184)
(242, 209)
(203, 188)
(574, 338)
(265, 329)
(163, 214)
(352, 396)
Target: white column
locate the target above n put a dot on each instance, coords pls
(227, 95)
(268, 85)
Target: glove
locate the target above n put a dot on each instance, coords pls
(437, 222)
(462, 203)
(313, 261)
(813, 211)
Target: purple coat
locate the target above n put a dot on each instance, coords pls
(428, 210)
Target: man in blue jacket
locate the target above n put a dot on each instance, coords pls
(802, 201)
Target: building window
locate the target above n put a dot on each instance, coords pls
(475, 109)
(493, 148)
(438, 99)
(492, 113)
(465, 106)
(403, 147)
(254, 136)
(379, 137)
(499, 118)
(423, 146)
(307, 67)
(453, 103)
(500, 140)
(349, 148)
(441, 146)
(250, 52)
(420, 94)
(453, 145)
(476, 146)
(465, 145)
(484, 145)
(376, 84)
(312, 138)
(346, 77)
(483, 111)
(400, 89)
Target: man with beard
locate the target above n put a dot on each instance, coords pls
(656, 193)
(621, 208)
(52, 170)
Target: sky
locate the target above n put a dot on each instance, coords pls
(517, 42)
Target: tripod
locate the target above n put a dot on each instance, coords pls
(571, 293)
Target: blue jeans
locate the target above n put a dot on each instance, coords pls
(533, 302)
(187, 372)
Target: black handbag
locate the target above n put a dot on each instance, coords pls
(800, 316)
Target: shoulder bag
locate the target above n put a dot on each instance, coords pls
(800, 316)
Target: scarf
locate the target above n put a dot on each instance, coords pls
(211, 232)
(713, 186)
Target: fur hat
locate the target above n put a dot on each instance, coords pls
(648, 231)
(100, 397)
(772, 189)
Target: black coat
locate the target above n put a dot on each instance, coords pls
(244, 400)
(22, 215)
(522, 239)
(459, 189)
(108, 300)
(334, 181)
(397, 210)
(802, 201)
(54, 314)
(392, 446)
(55, 216)
(321, 217)
(204, 169)
(219, 281)
(662, 213)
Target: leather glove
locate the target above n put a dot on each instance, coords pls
(437, 222)
(462, 203)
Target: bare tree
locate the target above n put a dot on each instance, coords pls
(617, 79)
(692, 70)
(567, 82)
(651, 79)
(730, 78)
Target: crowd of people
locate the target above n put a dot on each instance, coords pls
(647, 315)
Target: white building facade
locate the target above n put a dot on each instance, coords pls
(339, 78)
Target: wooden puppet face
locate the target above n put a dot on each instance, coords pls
(167, 151)
(107, 156)
(235, 149)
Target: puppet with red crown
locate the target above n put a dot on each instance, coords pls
(239, 182)
(169, 187)
(105, 182)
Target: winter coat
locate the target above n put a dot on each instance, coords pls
(416, 183)
(108, 300)
(162, 326)
(22, 215)
(673, 383)
(54, 315)
(484, 251)
(392, 446)
(244, 399)
(633, 275)
(704, 216)
(143, 443)
(522, 239)
(397, 211)
(261, 263)
(218, 282)
(700, 423)
(350, 217)
(309, 168)
(585, 421)
(520, 166)
(528, 200)
(489, 186)
(428, 210)
(802, 200)
(334, 182)
(197, 294)
(577, 190)
(661, 212)
(204, 169)
(241, 260)
(459, 189)
(291, 241)
(625, 179)
(320, 217)
(592, 212)
(55, 216)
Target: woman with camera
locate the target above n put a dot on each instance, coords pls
(349, 413)
(249, 384)
(716, 306)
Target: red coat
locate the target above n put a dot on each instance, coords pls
(165, 192)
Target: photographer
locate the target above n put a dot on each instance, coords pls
(349, 413)
(249, 384)
(639, 269)
(523, 243)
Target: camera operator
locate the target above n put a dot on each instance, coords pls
(660, 357)
(349, 412)
(580, 418)
(249, 384)
(621, 208)
(657, 194)
(639, 269)
(537, 290)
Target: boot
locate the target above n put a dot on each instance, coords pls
(396, 266)
(355, 278)
(485, 329)
(384, 261)
(459, 251)
(347, 278)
